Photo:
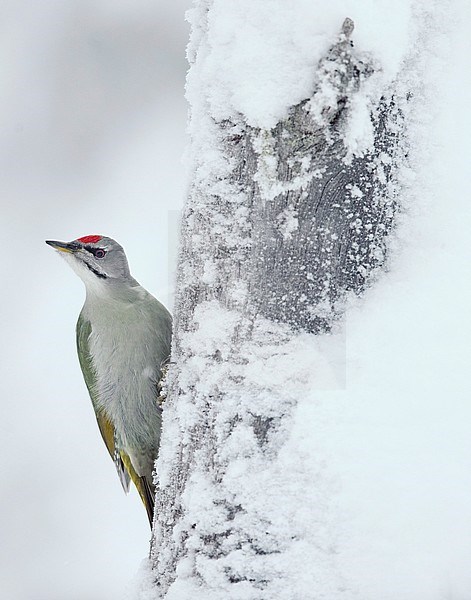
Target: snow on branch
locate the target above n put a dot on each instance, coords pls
(282, 222)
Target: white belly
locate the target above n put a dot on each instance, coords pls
(123, 349)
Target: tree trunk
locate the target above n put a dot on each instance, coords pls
(281, 226)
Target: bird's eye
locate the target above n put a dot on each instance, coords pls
(100, 253)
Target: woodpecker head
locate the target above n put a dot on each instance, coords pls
(96, 259)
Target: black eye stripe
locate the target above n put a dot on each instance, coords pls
(97, 273)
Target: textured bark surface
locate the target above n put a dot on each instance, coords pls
(276, 233)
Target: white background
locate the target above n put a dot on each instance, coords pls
(92, 133)
(93, 121)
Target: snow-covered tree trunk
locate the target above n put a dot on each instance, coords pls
(283, 222)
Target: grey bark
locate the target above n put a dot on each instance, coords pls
(289, 227)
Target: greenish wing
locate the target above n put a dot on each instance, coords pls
(84, 329)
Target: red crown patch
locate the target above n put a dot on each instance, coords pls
(90, 239)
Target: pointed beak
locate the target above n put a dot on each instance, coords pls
(63, 246)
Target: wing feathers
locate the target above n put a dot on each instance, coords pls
(145, 489)
(121, 460)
